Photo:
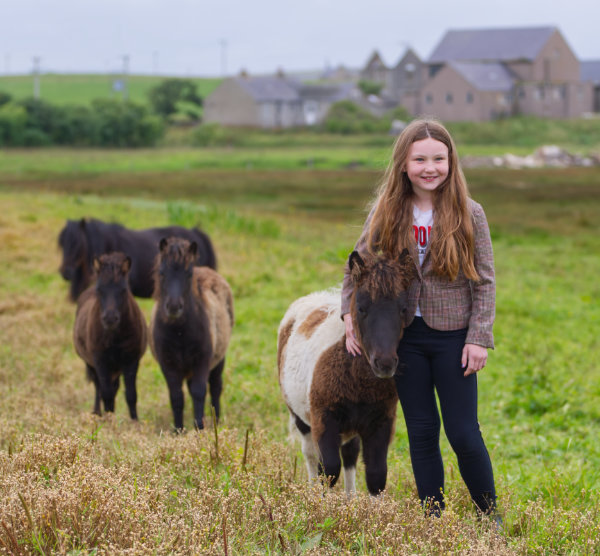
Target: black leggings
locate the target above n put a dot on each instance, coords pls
(431, 360)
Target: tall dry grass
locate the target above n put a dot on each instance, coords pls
(73, 483)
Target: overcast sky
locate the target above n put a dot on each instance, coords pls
(213, 38)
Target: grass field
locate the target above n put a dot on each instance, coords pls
(74, 483)
(83, 89)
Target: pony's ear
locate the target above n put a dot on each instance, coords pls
(126, 265)
(96, 265)
(162, 244)
(82, 223)
(356, 265)
(193, 249)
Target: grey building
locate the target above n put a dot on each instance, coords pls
(262, 101)
(272, 102)
(483, 74)
(406, 79)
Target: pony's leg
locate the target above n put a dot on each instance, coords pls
(176, 397)
(375, 448)
(309, 449)
(215, 384)
(129, 376)
(329, 447)
(350, 452)
(107, 389)
(197, 388)
(93, 376)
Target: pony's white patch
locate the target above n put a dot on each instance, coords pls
(309, 449)
(302, 353)
(350, 479)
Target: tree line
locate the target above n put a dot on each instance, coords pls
(33, 122)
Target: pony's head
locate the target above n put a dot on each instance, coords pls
(112, 287)
(173, 275)
(378, 306)
(75, 265)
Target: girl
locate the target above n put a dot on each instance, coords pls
(423, 204)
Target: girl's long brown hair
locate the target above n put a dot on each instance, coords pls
(391, 226)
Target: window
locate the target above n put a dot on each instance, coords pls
(429, 98)
(470, 98)
(449, 98)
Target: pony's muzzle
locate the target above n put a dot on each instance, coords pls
(174, 308)
(384, 367)
(110, 320)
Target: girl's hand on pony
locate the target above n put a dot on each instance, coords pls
(474, 358)
(351, 341)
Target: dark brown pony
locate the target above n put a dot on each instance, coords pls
(110, 332)
(190, 327)
(337, 401)
(83, 240)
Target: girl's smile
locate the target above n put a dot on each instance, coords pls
(427, 166)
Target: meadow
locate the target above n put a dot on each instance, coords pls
(74, 483)
(84, 88)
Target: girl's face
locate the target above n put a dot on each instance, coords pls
(427, 166)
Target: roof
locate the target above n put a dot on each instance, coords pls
(485, 76)
(375, 60)
(327, 92)
(590, 71)
(492, 44)
(269, 88)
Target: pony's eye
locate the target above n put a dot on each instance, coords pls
(361, 310)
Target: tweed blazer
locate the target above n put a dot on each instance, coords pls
(445, 304)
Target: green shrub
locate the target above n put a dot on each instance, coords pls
(5, 98)
(13, 120)
(370, 87)
(126, 124)
(346, 117)
(215, 135)
(36, 138)
(166, 97)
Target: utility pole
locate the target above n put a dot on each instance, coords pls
(36, 77)
(223, 43)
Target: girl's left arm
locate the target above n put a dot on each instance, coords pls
(483, 310)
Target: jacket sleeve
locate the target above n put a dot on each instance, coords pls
(361, 247)
(483, 309)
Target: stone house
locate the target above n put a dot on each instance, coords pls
(376, 71)
(406, 79)
(262, 101)
(484, 74)
(272, 102)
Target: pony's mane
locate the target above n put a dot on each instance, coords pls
(176, 251)
(111, 266)
(384, 277)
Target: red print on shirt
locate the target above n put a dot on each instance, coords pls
(422, 235)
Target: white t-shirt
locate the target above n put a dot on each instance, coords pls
(422, 223)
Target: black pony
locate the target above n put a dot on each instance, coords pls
(83, 240)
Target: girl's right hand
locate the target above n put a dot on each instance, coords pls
(351, 341)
